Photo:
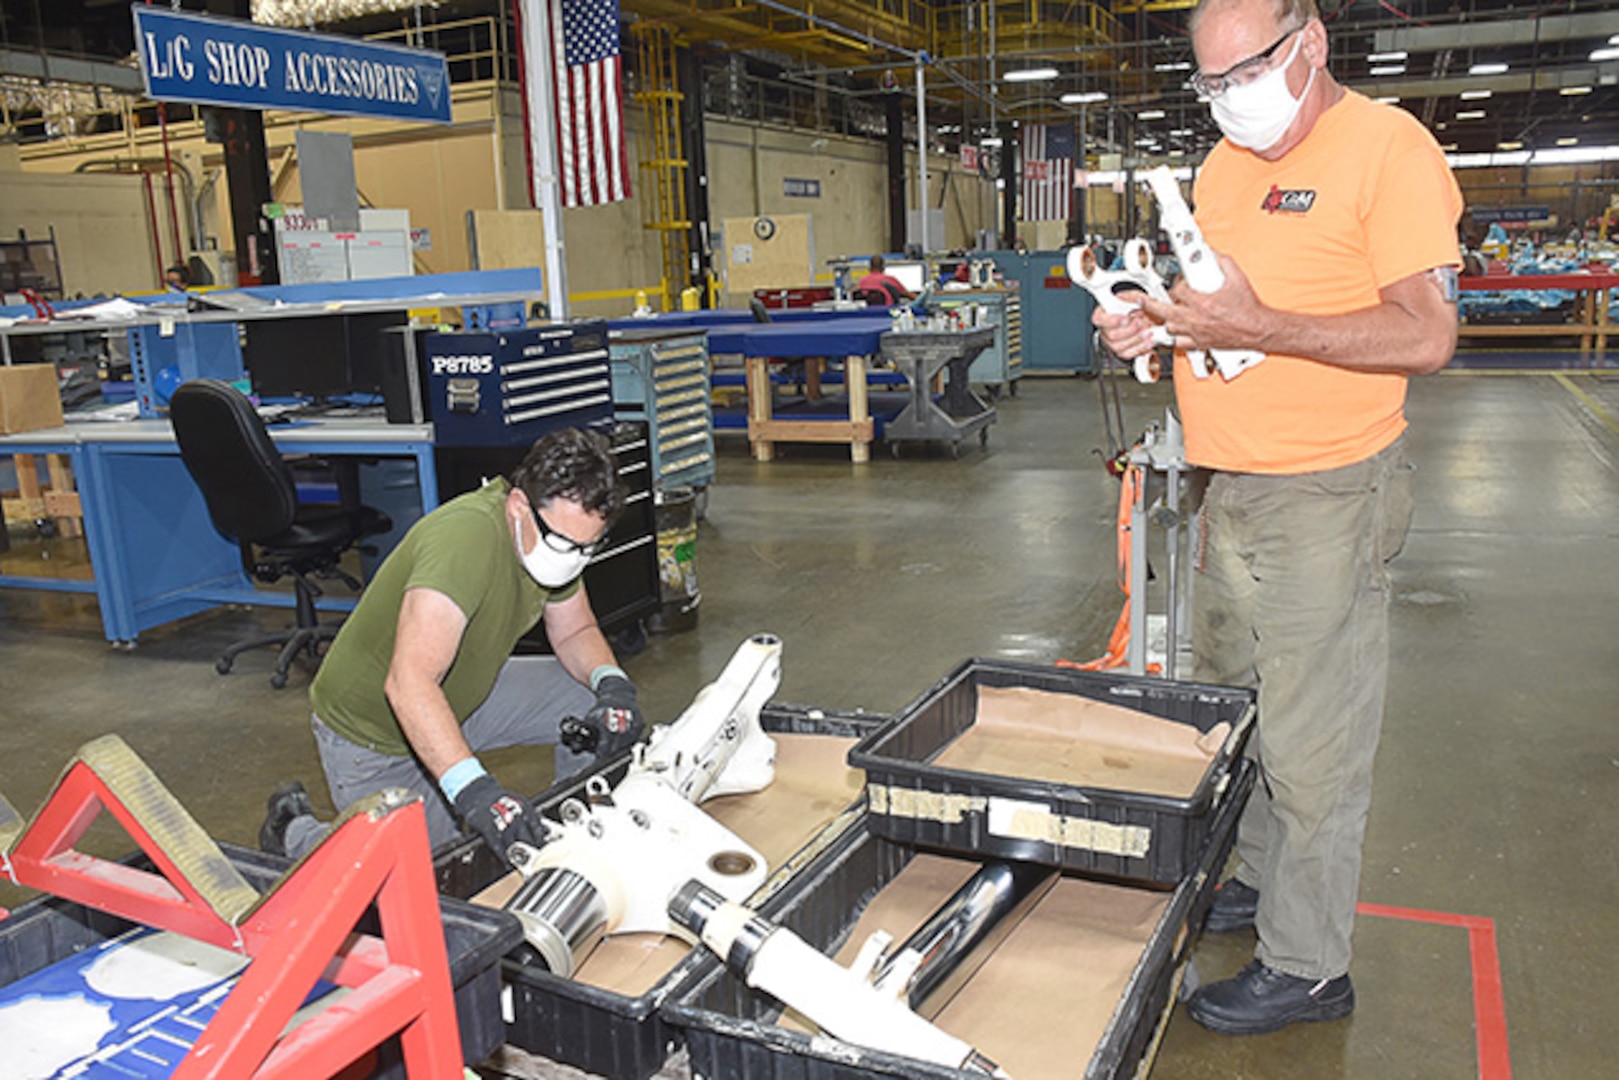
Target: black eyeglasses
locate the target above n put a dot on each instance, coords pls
(565, 545)
(1209, 87)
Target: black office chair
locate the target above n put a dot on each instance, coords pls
(761, 314)
(252, 499)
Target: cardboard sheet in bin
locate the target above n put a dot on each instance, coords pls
(1136, 833)
(1080, 986)
(607, 1020)
(49, 929)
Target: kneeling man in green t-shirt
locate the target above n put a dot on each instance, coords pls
(421, 678)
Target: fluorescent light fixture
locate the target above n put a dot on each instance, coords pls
(1044, 74)
(1474, 95)
(1389, 69)
(1471, 114)
(1380, 57)
(1088, 97)
(1448, 148)
(1387, 100)
(1570, 141)
(1146, 142)
(1151, 114)
(989, 141)
(1571, 91)
(1180, 131)
(1610, 53)
(1487, 69)
(1513, 145)
(1181, 65)
(1177, 153)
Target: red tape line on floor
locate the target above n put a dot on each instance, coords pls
(1489, 1003)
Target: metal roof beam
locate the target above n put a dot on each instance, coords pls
(53, 67)
(1417, 39)
(1592, 75)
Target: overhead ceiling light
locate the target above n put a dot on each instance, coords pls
(1388, 100)
(1609, 53)
(1179, 65)
(1487, 69)
(990, 141)
(1180, 131)
(1448, 148)
(1177, 153)
(1146, 142)
(1151, 114)
(1380, 57)
(1509, 146)
(1471, 114)
(1044, 74)
(1088, 97)
(1474, 95)
(1389, 69)
(1568, 142)
(1571, 91)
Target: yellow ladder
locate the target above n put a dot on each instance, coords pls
(662, 159)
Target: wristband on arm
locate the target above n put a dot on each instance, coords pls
(459, 775)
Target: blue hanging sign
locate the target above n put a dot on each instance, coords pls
(214, 61)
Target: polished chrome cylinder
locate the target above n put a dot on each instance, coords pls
(563, 917)
(960, 935)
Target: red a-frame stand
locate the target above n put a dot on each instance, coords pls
(299, 932)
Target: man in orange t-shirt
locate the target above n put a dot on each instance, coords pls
(1334, 220)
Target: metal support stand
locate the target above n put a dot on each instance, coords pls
(920, 355)
(1169, 498)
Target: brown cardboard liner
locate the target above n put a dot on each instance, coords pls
(1034, 734)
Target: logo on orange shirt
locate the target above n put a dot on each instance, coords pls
(1287, 202)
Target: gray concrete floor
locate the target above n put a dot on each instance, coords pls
(1497, 765)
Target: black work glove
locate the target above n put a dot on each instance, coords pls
(615, 721)
(499, 816)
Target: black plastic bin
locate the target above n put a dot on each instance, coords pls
(730, 1030)
(597, 1030)
(47, 929)
(1138, 837)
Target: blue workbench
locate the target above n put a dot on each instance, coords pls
(154, 552)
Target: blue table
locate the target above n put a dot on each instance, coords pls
(154, 553)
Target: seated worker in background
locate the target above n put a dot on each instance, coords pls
(878, 281)
(421, 679)
(177, 277)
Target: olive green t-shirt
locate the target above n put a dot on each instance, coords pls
(465, 550)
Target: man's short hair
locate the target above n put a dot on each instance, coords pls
(1292, 13)
(877, 264)
(576, 465)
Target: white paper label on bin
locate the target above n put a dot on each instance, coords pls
(1020, 820)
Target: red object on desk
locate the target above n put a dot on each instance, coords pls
(1577, 281)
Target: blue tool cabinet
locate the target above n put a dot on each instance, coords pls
(660, 377)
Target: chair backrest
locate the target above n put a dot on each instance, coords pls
(877, 297)
(761, 314)
(223, 442)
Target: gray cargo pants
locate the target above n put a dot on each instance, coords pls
(530, 698)
(1293, 599)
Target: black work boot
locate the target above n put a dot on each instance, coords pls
(1235, 907)
(286, 802)
(1259, 1000)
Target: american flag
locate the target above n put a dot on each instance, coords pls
(592, 163)
(1048, 171)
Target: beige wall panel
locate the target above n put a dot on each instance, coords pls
(103, 233)
(783, 259)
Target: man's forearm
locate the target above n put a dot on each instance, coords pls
(429, 724)
(1385, 338)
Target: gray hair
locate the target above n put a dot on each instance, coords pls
(1293, 13)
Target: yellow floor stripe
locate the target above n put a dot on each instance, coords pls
(1605, 417)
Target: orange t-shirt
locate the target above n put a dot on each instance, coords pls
(1364, 201)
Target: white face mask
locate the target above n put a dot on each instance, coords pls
(552, 569)
(1256, 115)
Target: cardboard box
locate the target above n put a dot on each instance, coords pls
(28, 398)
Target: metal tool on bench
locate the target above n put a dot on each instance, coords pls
(885, 998)
(612, 862)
